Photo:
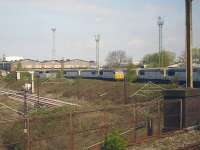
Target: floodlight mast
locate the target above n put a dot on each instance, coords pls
(97, 39)
(53, 43)
(189, 68)
(160, 27)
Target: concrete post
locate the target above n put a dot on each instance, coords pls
(18, 75)
(32, 81)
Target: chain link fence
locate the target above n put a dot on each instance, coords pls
(82, 130)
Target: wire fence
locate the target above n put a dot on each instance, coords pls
(82, 130)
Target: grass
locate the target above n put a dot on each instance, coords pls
(91, 95)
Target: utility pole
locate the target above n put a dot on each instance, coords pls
(53, 43)
(189, 74)
(160, 28)
(97, 39)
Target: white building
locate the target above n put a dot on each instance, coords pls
(13, 58)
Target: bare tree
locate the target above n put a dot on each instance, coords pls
(195, 56)
(117, 58)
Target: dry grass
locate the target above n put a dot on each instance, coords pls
(7, 114)
(91, 94)
(171, 143)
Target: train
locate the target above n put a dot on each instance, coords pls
(167, 75)
(156, 75)
(103, 74)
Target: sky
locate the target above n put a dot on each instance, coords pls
(129, 25)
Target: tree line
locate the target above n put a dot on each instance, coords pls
(119, 59)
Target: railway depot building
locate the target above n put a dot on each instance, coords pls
(28, 64)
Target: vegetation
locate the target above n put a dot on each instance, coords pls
(131, 73)
(10, 77)
(60, 74)
(19, 66)
(196, 55)
(116, 59)
(25, 76)
(46, 124)
(166, 58)
(12, 136)
(114, 141)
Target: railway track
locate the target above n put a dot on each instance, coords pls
(34, 99)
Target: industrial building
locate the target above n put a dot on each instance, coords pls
(5, 65)
(28, 64)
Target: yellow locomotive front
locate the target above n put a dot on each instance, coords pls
(119, 75)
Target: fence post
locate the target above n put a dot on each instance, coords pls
(77, 88)
(28, 134)
(27, 145)
(159, 118)
(134, 123)
(71, 131)
(125, 90)
(149, 127)
(105, 123)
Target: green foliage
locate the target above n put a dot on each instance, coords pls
(44, 124)
(131, 73)
(60, 74)
(152, 60)
(25, 76)
(114, 141)
(13, 136)
(10, 77)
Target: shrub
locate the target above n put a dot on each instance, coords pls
(59, 74)
(26, 76)
(131, 73)
(10, 77)
(114, 141)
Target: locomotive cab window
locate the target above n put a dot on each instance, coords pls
(93, 72)
(141, 72)
(101, 72)
(171, 72)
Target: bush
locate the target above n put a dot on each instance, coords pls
(10, 77)
(60, 74)
(13, 136)
(114, 141)
(131, 73)
(26, 76)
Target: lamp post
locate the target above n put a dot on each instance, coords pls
(53, 43)
(97, 39)
(160, 27)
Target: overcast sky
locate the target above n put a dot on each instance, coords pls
(128, 25)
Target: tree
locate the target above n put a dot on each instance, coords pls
(19, 66)
(131, 72)
(196, 55)
(117, 58)
(152, 60)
